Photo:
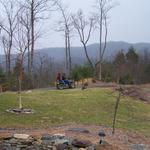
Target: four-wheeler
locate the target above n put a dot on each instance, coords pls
(62, 85)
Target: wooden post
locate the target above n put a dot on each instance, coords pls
(1, 90)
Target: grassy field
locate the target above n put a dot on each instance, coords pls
(92, 106)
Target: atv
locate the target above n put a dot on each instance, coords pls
(62, 85)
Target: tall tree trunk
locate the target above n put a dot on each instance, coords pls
(100, 71)
(32, 43)
(100, 46)
(20, 78)
(9, 63)
(9, 54)
(69, 53)
(88, 58)
(29, 54)
(20, 89)
(66, 51)
(6, 63)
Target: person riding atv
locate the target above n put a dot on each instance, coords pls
(63, 83)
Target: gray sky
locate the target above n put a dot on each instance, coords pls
(129, 21)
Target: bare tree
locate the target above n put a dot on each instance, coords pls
(36, 10)
(26, 23)
(45, 70)
(21, 45)
(84, 28)
(65, 25)
(101, 15)
(8, 25)
(116, 108)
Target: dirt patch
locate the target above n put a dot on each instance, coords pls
(136, 92)
(122, 140)
(102, 84)
(141, 92)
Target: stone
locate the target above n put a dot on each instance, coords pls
(59, 135)
(28, 111)
(16, 110)
(13, 141)
(62, 146)
(102, 142)
(102, 134)
(75, 148)
(20, 111)
(139, 147)
(49, 146)
(100, 147)
(61, 141)
(6, 138)
(56, 142)
(91, 147)
(21, 136)
(48, 139)
(27, 142)
(22, 146)
(55, 139)
(80, 130)
(81, 143)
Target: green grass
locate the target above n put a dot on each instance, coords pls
(92, 106)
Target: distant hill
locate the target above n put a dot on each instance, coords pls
(78, 55)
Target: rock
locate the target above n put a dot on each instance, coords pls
(103, 142)
(50, 147)
(57, 142)
(46, 137)
(62, 146)
(20, 111)
(13, 141)
(55, 139)
(75, 148)
(22, 146)
(59, 135)
(28, 111)
(17, 110)
(91, 147)
(139, 147)
(27, 142)
(6, 138)
(81, 130)
(81, 143)
(103, 147)
(61, 141)
(21, 136)
(102, 134)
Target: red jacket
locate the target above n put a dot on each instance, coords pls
(58, 78)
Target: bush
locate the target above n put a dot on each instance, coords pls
(80, 72)
(127, 79)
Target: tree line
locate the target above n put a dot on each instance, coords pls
(128, 67)
(20, 30)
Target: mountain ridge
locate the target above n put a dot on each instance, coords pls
(78, 55)
(112, 48)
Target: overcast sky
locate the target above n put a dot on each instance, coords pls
(129, 22)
